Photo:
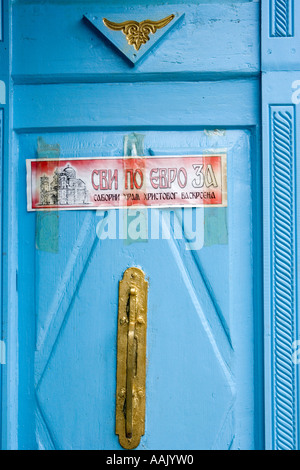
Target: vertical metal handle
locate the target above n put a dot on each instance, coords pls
(131, 361)
(131, 358)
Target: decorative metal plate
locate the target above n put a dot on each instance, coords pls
(135, 37)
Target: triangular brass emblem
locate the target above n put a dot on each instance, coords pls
(138, 33)
(134, 38)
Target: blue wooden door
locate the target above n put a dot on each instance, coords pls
(203, 386)
(200, 311)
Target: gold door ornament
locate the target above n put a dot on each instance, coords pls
(131, 358)
(137, 33)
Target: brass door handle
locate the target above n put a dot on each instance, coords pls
(131, 362)
(131, 358)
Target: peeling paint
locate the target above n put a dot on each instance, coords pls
(2, 92)
(47, 223)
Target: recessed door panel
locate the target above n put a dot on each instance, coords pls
(200, 377)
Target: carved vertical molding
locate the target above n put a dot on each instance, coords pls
(283, 261)
(282, 18)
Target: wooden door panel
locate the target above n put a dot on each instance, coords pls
(214, 37)
(200, 373)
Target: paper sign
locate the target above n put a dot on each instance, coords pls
(107, 183)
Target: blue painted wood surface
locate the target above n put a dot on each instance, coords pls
(117, 105)
(280, 35)
(280, 111)
(119, 40)
(9, 300)
(1, 20)
(215, 37)
(204, 377)
(200, 340)
(281, 147)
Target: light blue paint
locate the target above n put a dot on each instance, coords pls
(211, 361)
(281, 257)
(2, 244)
(11, 372)
(214, 39)
(281, 35)
(204, 377)
(118, 39)
(100, 108)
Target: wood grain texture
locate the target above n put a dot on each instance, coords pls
(76, 305)
(73, 89)
(117, 105)
(59, 46)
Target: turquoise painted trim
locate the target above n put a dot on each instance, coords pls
(3, 60)
(280, 60)
(189, 104)
(283, 301)
(282, 18)
(258, 268)
(280, 35)
(1, 245)
(281, 198)
(9, 300)
(1, 20)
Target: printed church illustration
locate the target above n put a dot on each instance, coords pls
(64, 189)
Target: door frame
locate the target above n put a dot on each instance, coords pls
(280, 58)
(280, 68)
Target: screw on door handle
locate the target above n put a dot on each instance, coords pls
(131, 358)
